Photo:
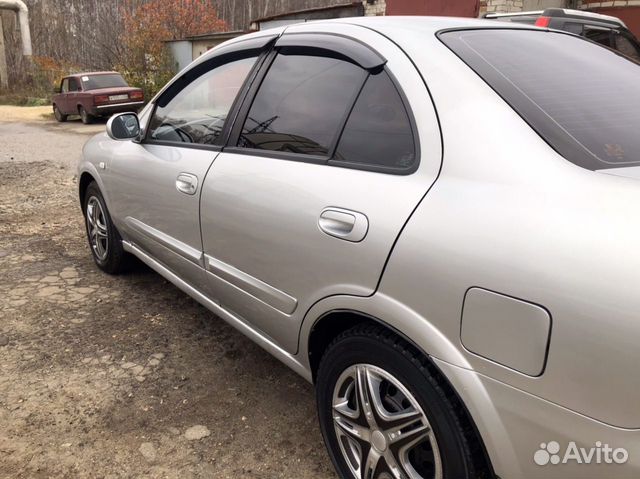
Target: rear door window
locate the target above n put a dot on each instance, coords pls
(581, 98)
(378, 132)
(302, 104)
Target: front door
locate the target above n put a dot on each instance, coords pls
(323, 175)
(64, 98)
(159, 180)
(72, 97)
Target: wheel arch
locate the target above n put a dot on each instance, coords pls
(83, 183)
(334, 322)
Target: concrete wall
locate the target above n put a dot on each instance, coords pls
(181, 53)
(198, 47)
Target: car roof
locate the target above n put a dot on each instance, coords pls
(424, 24)
(88, 74)
(559, 13)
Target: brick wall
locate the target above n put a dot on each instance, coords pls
(508, 6)
(617, 3)
(501, 6)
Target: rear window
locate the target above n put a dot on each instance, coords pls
(583, 99)
(94, 82)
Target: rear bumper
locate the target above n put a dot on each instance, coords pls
(102, 110)
(514, 425)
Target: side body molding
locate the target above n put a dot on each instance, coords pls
(258, 289)
(178, 247)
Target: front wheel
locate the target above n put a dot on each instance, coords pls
(104, 239)
(383, 415)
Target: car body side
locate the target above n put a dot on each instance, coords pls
(506, 214)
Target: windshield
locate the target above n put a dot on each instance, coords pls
(583, 99)
(94, 82)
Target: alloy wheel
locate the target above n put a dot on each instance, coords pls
(97, 228)
(382, 431)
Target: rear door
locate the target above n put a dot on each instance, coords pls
(324, 168)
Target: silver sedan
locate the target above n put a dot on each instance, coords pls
(433, 220)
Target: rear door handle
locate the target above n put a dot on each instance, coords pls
(344, 224)
(187, 183)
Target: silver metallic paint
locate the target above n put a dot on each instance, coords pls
(509, 331)
(506, 214)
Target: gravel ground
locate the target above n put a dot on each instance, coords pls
(123, 376)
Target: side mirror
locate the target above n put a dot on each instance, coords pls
(123, 126)
(57, 90)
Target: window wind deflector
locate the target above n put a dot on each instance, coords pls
(357, 52)
(224, 54)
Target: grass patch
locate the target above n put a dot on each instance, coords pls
(22, 100)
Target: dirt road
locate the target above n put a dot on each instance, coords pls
(124, 376)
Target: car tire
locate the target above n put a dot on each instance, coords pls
(84, 115)
(61, 117)
(402, 387)
(104, 240)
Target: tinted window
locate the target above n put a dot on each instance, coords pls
(603, 37)
(198, 112)
(73, 84)
(573, 27)
(625, 46)
(582, 98)
(301, 104)
(378, 131)
(95, 82)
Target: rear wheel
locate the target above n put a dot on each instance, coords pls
(84, 115)
(384, 415)
(58, 114)
(104, 240)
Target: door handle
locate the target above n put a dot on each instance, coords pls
(187, 183)
(344, 224)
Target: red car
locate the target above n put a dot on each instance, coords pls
(95, 94)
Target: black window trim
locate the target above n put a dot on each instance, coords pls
(260, 46)
(307, 42)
